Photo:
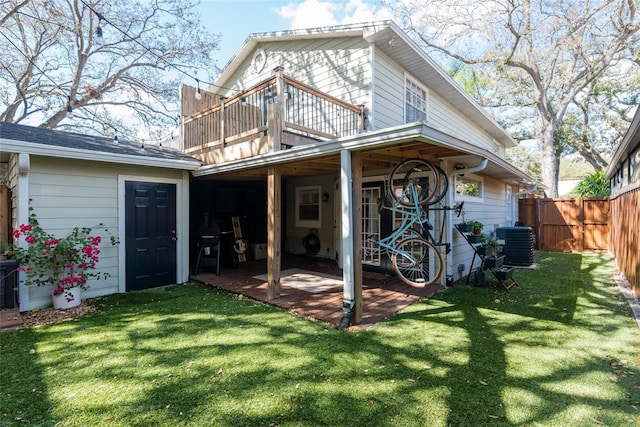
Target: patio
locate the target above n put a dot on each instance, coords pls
(382, 295)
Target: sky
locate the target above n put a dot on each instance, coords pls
(235, 20)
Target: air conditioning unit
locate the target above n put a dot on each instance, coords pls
(518, 245)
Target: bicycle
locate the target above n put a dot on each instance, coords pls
(413, 184)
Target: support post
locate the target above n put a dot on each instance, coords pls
(274, 242)
(356, 212)
(352, 260)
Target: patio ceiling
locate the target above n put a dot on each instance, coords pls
(381, 150)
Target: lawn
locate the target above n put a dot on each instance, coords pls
(562, 349)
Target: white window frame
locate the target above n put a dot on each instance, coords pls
(409, 83)
(469, 178)
(312, 223)
(371, 225)
(508, 203)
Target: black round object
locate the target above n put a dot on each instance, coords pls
(311, 242)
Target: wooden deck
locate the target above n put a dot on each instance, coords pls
(382, 295)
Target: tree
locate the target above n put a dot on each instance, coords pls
(52, 60)
(593, 185)
(544, 53)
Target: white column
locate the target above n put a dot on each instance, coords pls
(347, 227)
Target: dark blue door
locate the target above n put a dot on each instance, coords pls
(150, 234)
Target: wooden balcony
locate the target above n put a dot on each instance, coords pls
(276, 114)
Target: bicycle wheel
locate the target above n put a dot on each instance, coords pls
(413, 179)
(443, 186)
(417, 262)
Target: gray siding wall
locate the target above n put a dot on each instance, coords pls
(75, 193)
(627, 176)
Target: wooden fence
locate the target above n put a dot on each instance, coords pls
(568, 224)
(624, 242)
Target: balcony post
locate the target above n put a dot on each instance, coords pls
(276, 113)
(222, 121)
(362, 119)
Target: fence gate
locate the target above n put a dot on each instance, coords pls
(567, 224)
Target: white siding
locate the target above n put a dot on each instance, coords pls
(336, 66)
(491, 212)
(73, 193)
(388, 98)
(388, 107)
(445, 118)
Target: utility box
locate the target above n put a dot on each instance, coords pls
(8, 283)
(259, 250)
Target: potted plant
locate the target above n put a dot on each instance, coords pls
(464, 226)
(492, 260)
(503, 273)
(477, 227)
(66, 263)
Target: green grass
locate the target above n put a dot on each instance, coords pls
(560, 350)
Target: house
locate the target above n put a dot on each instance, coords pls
(624, 220)
(141, 194)
(301, 129)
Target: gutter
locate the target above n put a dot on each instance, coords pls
(32, 148)
(482, 165)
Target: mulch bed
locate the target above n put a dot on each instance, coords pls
(48, 316)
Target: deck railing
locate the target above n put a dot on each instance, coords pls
(279, 105)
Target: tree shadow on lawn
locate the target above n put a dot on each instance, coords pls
(20, 363)
(195, 356)
(540, 325)
(553, 290)
(133, 365)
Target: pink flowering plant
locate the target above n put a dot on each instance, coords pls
(64, 263)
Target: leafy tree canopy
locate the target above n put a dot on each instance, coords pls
(129, 83)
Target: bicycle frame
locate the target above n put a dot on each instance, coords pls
(410, 217)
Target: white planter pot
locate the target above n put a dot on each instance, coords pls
(69, 298)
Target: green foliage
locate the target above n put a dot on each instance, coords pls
(63, 262)
(593, 185)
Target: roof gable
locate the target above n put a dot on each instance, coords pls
(387, 37)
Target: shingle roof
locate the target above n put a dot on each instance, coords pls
(96, 144)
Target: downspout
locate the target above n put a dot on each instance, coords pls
(449, 214)
(529, 191)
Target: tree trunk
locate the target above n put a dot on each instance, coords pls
(550, 157)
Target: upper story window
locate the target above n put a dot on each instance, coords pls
(415, 101)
